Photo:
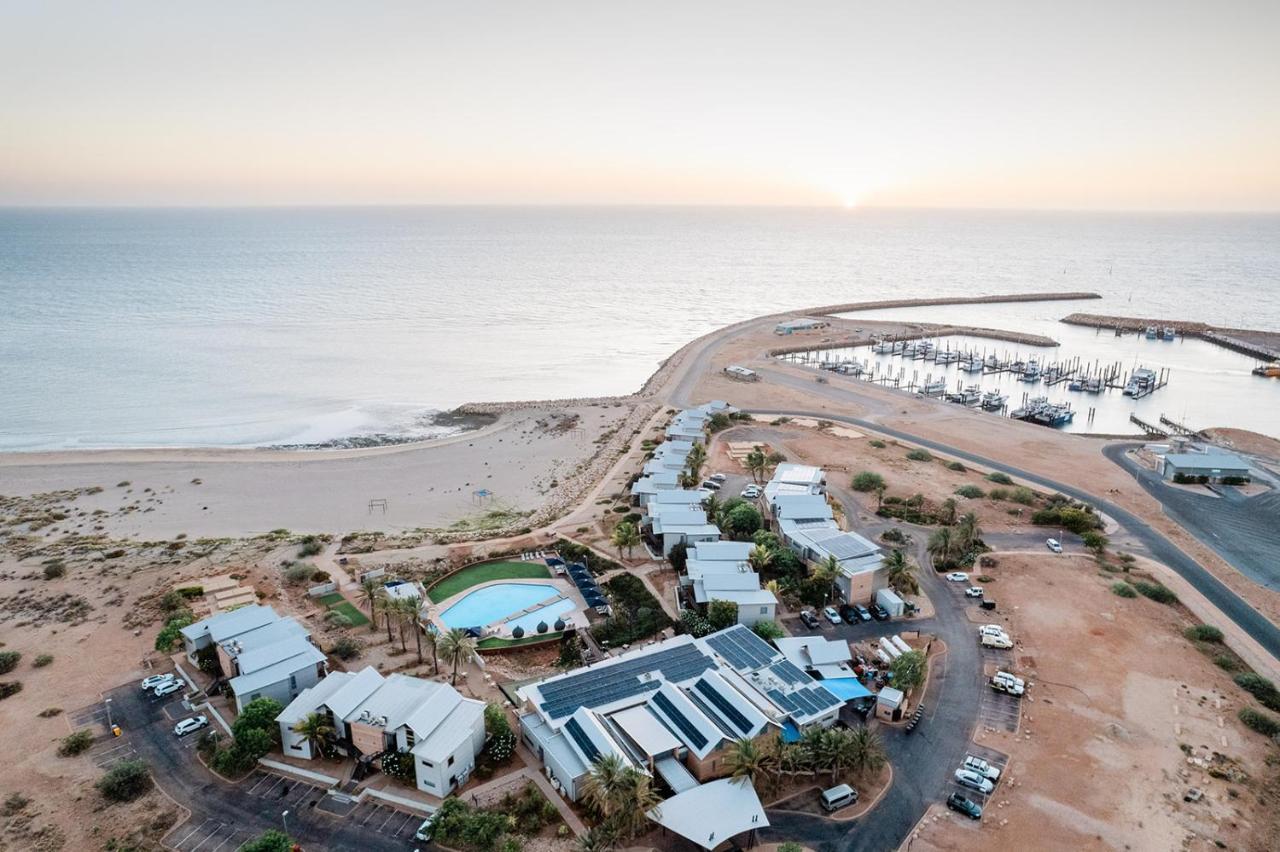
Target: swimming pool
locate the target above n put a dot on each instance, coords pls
(494, 603)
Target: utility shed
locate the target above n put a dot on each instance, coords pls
(1204, 467)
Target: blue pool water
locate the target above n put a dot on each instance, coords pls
(529, 621)
(494, 603)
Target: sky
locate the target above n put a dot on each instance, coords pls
(1136, 105)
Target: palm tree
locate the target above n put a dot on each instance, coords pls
(899, 572)
(948, 511)
(457, 647)
(828, 572)
(603, 786)
(812, 743)
(941, 545)
(760, 559)
(866, 751)
(597, 839)
(837, 751)
(880, 489)
(387, 606)
(686, 479)
(968, 530)
(712, 506)
(695, 460)
(756, 463)
(316, 730)
(625, 537)
(432, 640)
(636, 799)
(370, 591)
(747, 762)
(413, 615)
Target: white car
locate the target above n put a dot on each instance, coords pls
(424, 831)
(980, 766)
(832, 615)
(1008, 684)
(973, 592)
(1054, 545)
(1002, 643)
(167, 688)
(992, 630)
(717, 477)
(1012, 678)
(751, 492)
(155, 680)
(958, 577)
(974, 781)
(187, 726)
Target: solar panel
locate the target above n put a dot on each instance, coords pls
(783, 701)
(788, 672)
(692, 734)
(584, 742)
(606, 684)
(730, 712)
(729, 649)
(825, 698)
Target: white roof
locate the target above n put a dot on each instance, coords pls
(405, 590)
(712, 813)
(791, 506)
(456, 726)
(890, 697)
(742, 597)
(248, 683)
(310, 700)
(354, 692)
(711, 735)
(226, 625)
(697, 568)
(596, 736)
(797, 474)
(677, 497)
(274, 652)
(731, 551)
(755, 720)
(809, 651)
(646, 730)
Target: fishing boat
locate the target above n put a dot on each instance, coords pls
(993, 400)
(1056, 414)
(973, 366)
(970, 395)
(1076, 385)
(884, 347)
(1152, 334)
(991, 362)
(1031, 409)
(936, 387)
(1031, 372)
(1169, 333)
(1141, 382)
(946, 356)
(851, 368)
(1094, 384)
(1268, 371)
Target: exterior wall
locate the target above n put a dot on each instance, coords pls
(752, 613)
(442, 777)
(894, 715)
(861, 588)
(294, 744)
(228, 665)
(553, 768)
(707, 768)
(367, 738)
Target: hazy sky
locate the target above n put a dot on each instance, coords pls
(1135, 104)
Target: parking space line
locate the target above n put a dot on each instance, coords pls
(262, 776)
(178, 843)
(215, 830)
(371, 815)
(306, 791)
(387, 820)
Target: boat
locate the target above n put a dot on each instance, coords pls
(991, 362)
(1268, 371)
(947, 356)
(993, 400)
(1094, 384)
(1151, 332)
(1056, 414)
(851, 368)
(936, 387)
(971, 364)
(884, 347)
(970, 395)
(1169, 333)
(1031, 372)
(1031, 409)
(1141, 382)
(1076, 385)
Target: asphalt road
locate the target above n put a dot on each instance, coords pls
(224, 815)
(1243, 530)
(1231, 605)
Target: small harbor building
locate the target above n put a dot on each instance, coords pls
(1212, 466)
(800, 324)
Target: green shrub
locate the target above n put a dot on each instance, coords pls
(1076, 519)
(1023, 496)
(695, 624)
(768, 630)
(877, 443)
(973, 492)
(398, 765)
(42, 661)
(999, 478)
(722, 614)
(269, 841)
(1203, 633)
(867, 481)
(893, 535)
(1094, 540)
(1124, 590)
(310, 547)
(637, 614)
(169, 635)
(920, 455)
(75, 743)
(1263, 723)
(1226, 662)
(125, 781)
(50, 712)
(298, 572)
(956, 466)
(1260, 688)
(54, 570)
(1155, 591)
(9, 661)
(998, 494)
(346, 648)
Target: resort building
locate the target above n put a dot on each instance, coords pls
(670, 709)
(720, 571)
(261, 654)
(372, 715)
(645, 487)
(671, 524)
(1211, 466)
(826, 658)
(677, 497)
(799, 324)
(789, 478)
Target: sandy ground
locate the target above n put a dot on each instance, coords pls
(1123, 716)
(241, 493)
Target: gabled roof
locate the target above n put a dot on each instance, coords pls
(225, 625)
(354, 692)
(649, 734)
(1215, 460)
(395, 699)
(797, 474)
(733, 551)
(261, 678)
(730, 709)
(311, 699)
(676, 496)
(807, 651)
(457, 726)
(261, 637)
(712, 813)
(796, 506)
(588, 738)
(268, 654)
(701, 735)
(676, 517)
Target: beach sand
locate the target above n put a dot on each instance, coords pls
(233, 493)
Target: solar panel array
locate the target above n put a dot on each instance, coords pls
(733, 714)
(789, 672)
(743, 649)
(584, 742)
(606, 684)
(692, 734)
(810, 701)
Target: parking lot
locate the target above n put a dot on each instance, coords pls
(999, 711)
(385, 820)
(208, 835)
(286, 792)
(997, 759)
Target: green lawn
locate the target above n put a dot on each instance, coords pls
(500, 642)
(355, 616)
(330, 599)
(484, 573)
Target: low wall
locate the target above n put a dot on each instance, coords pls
(322, 590)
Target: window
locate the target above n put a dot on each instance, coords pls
(293, 682)
(764, 610)
(409, 737)
(450, 760)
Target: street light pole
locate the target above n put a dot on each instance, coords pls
(284, 818)
(109, 725)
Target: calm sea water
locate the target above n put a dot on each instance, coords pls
(250, 327)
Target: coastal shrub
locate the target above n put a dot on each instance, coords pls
(790, 846)
(1260, 688)
(114, 554)
(298, 572)
(1078, 521)
(398, 765)
(1226, 662)
(1124, 590)
(9, 661)
(1155, 591)
(310, 547)
(75, 743)
(1094, 540)
(972, 492)
(998, 494)
(621, 509)
(1203, 633)
(14, 804)
(1263, 723)
(42, 660)
(877, 443)
(337, 619)
(694, 623)
(920, 455)
(768, 630)
(320, 576)
(50, 712)
(54, 570)
(637, 614)
(269, 841)
(1023, 496)
(867, 481)
(125, 781)
(999, 478)
(571, 551)
(956, 466)
(893, 535)
(169, 635)
(346, 648)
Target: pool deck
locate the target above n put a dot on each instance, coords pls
(558, 588)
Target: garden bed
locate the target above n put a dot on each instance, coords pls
(484, 572)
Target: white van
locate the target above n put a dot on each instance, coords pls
(838, 797)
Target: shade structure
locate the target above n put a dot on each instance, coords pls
(846, 688)
(712, 813)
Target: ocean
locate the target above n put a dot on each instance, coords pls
(251, 327)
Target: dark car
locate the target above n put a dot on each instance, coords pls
(879, 613)
(864, 614)
(988, 603)
(849, 614)
(959, 803)
(810, 620)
